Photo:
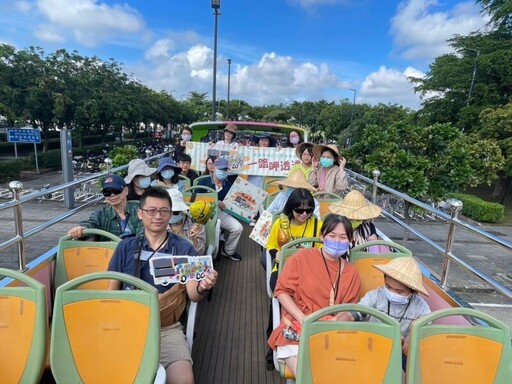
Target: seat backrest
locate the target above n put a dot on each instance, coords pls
(291, 247)
(102, 336)
(198, 179)
(186, 180)
(76, 258)
(324, 200)
(440, 353)
(200, 193)
(268, 183)
(269, 199)
(363, 259)
(23, 329)
(351, 352)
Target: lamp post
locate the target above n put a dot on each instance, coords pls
(353, 105)
(216, 7)
(473, 76)
(171, 91)
(229, 85)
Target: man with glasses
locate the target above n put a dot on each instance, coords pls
(132, 257)
(118, 216)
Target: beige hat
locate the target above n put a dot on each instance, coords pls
(177, 200)
(302, 147)
(296, 179)
(231, 128)
(406, 271)
(138, 167)
(319, 149)
(354, 206)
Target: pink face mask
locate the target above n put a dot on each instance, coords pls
(294, 139)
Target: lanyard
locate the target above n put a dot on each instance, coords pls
(403, 314)
(336, 285)
(138, 252)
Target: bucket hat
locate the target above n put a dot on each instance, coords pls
(354, 206)
(319, 149)
(272, 141)
(302, 147)
(231, 128)
(177, 200)
(138, 167)
(167, 162)
(296, 179)
(406, 271)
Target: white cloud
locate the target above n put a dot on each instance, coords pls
(24, 6)
(89, 21)
(390, 86)
(420, 32)
(49, 34)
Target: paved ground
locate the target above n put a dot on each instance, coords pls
(492, 260)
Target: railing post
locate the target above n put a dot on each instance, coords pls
(16, 188)
(108, 163)
(376, 174)
(455, 207)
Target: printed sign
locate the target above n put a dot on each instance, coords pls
(23, 136)
(262, 229)
(244, 199)
(245, 160)
(167, 269)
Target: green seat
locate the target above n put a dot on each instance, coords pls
(269, 199)
(269, 186)
(103, 336)
(186, 180)
(363, 259)
(23, 329)
(198, 179)
(443, 353)
(76, 258)
(324, 200)
(291, 247)
(350, 352)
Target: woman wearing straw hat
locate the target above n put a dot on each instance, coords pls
(398, 297)
(294, 180)
(138, 178)
(359, 211)
(304, 152)
(229, 142)
(329, 173)
(181, 224)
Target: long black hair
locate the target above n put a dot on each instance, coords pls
(332, 220)
(300, 197)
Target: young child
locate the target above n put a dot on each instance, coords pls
(398, 297)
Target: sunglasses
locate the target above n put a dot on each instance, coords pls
(300, 211)
(110, 192)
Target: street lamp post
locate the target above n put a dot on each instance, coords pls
(229, 85)
(473, 76)
(353, 105)
(216, 7)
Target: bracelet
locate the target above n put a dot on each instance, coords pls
(201, 293)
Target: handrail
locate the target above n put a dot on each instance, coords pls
(454, 222)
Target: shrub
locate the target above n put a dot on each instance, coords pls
(10, 169)
(480, 210)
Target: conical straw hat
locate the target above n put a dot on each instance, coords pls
(295, 179)
(406, 271)
(354, 206)
(319, 149)
(302, 147)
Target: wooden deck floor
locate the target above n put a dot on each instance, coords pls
(230, 343)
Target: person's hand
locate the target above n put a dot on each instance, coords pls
(222, 206)
(76, 232)
(343, 161)
(278, 257)
(343, 316)
(405, 347)
(210, 278)
(194, 230)
(314, 162)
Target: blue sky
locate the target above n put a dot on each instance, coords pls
(281, 50)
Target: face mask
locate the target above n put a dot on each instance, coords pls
(186, 137)
(294, 140)
(145, 182)
(355, 224)
(336, 248)
(326, 163)
(167, 174)
(395, 298)
(221, 175)
(154, 183)
(175, 219)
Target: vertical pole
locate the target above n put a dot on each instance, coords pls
(66, 155)
(37, 163)
(15, 151)
(16, 188)
(376, 174)
(229, 84)
(214, 91)
(456, 207)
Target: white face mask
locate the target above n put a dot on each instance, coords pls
(186, 137)
(395, 298)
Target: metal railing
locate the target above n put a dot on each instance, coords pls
(453, 221)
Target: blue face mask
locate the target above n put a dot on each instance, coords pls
(145, 182)
(220, 174)
(167, 174)
(175, 219)
(395, 298)
(326, 162)
(336, 248)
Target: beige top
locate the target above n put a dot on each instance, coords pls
(332, 180)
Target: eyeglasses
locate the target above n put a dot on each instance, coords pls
(164, 212)
(300, 211)
(110, 192)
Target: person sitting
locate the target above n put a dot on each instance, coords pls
(131, 257)
(229, 142)
(181, 223)
(186, 136)
(184, 162)
(296, 221)
(313, 279)
(138, 178)
(294, 180)
(209, 166)
(328, 174)
(118, 216)
(168, 174)
(304, 152)
(398, 297)
(219, 182)
(360, 212)
(293, 139)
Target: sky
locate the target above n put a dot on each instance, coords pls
(281, 51)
